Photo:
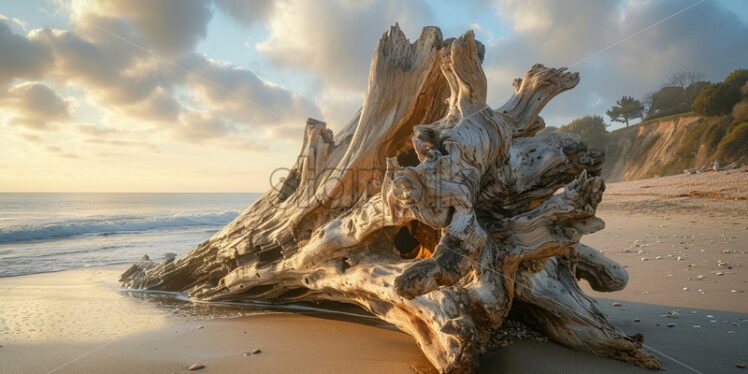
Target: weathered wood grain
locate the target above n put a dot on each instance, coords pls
(431, 210)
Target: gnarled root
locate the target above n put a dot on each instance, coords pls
(430, 210)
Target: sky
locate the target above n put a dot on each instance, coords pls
(212, 96)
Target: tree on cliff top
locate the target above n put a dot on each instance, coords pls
(676, 95)
(626, 108)
(684, 79)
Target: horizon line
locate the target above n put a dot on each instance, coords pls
(128, 192)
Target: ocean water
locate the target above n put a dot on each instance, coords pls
(47, 232)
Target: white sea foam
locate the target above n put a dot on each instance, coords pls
(51, 232)
(111, 225)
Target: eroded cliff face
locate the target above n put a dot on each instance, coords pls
(668, 146)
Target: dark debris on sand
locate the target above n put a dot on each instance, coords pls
(512, 331)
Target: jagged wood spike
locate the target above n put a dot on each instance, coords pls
(430, 210)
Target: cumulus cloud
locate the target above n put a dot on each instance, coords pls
(136, 59)
(116, 76)
(125, 79)
(242, 96)
(169, 27)
(35, 105)
(201, 126)
(706, 38)
(335, 39)
(196, 127)
(632, 47)
(20, 57)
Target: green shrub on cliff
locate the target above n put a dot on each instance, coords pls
(717, 99)
(676, 96)
(737, 78)
(740, 111)
(735, 142)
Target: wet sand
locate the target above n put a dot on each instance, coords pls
(105, 330)
(79, 322)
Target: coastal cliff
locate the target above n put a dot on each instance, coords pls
(668, 146)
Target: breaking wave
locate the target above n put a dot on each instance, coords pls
(111, 225)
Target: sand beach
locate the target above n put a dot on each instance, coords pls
(681, 238)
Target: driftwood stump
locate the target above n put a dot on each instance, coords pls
(430, 210)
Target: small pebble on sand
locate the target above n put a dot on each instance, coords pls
(256, 351)
(740, 365)
(637, 320)
(196, 367)
(671, 324)
(245, 354)
(673, 314)
(199, 327)
(697, 326)
(709, 316)
(616, 304)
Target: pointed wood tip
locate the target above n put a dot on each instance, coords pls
(467, 40)
(431, 34)
(313, 127)
(315, 123)
(393, 35)
(396, 50)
